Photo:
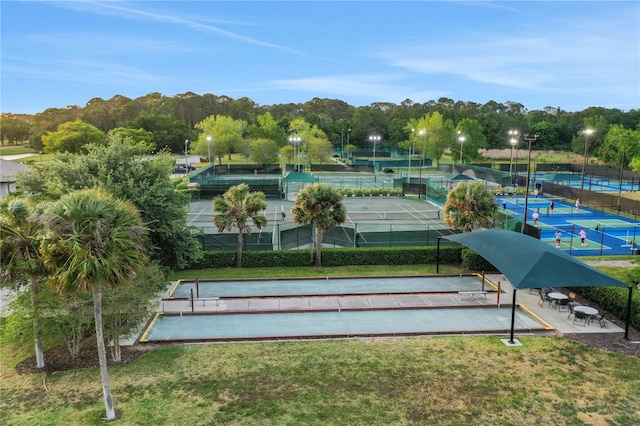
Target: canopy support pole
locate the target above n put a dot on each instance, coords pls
(626, 328)
(513, 316)
(438, 257)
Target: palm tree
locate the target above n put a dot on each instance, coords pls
(94, 239)
(321, 205)
(235, 209)
(20, 257)
(469, 206)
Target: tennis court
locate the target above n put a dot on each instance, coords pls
(607, 234)
(388, 211)
(591, 183)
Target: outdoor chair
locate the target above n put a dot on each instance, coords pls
(571, 305)
(600, 318)
(580, 316)
(544, 297)
(563, 304)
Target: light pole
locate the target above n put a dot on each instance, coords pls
(421, 133)
(295, 140)
(209, 147)
(374, 139)
(587, 133)
(342, 143)
(515, 135)
(461, 139)
(413, 141)
(526, 193)
(186, 154)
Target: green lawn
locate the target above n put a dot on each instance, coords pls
(447, 380)
(15, 150)
(427, 380)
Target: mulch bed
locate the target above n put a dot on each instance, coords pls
(59, 359)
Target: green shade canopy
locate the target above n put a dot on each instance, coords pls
(529, 263)
(458, 177)
(299, 177)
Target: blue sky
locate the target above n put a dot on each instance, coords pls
(566, 54)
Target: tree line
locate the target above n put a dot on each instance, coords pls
(170, 121)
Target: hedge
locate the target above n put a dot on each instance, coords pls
(332, 257)
(614, 299)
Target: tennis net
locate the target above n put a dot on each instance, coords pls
(395, 215)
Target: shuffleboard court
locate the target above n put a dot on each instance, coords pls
(363, 306)
(267, 288)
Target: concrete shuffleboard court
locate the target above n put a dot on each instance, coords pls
(334, 308)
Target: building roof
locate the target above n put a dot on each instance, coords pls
(9, 170)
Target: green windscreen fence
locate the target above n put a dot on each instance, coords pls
(254, 241)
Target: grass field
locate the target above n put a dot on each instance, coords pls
(448, 380)
(430, 381)
(15, 150)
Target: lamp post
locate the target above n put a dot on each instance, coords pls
(342, 143)
(413, 141)
(295, 140)
(421, 133)
(186, 153)
(209, 147)
(587, 133)
(515, 135)
(374, 139)
(624, 146)
(461, 139)
(526, 192)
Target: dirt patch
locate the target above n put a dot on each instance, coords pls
(59, 359)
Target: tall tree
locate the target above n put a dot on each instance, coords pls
(235, 209)
(94, 239)
(120, 169)
(268, 128)
(20, 256)
(474, 138)
(263, 151)
(73, 137)
(469, 206)
(14, 130)
(620, 146)
(225, 132)
(321, 205)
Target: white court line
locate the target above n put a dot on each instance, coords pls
(424, 221)
(198, 214)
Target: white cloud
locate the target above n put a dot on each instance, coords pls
(124, 12)
(572, 56)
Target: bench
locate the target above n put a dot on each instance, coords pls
(473, 293)
(204, 300)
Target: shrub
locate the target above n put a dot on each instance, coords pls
(375, 192)
(357, 192)
(333, 257)
(348, 192)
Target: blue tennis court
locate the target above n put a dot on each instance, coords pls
(607, 234)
